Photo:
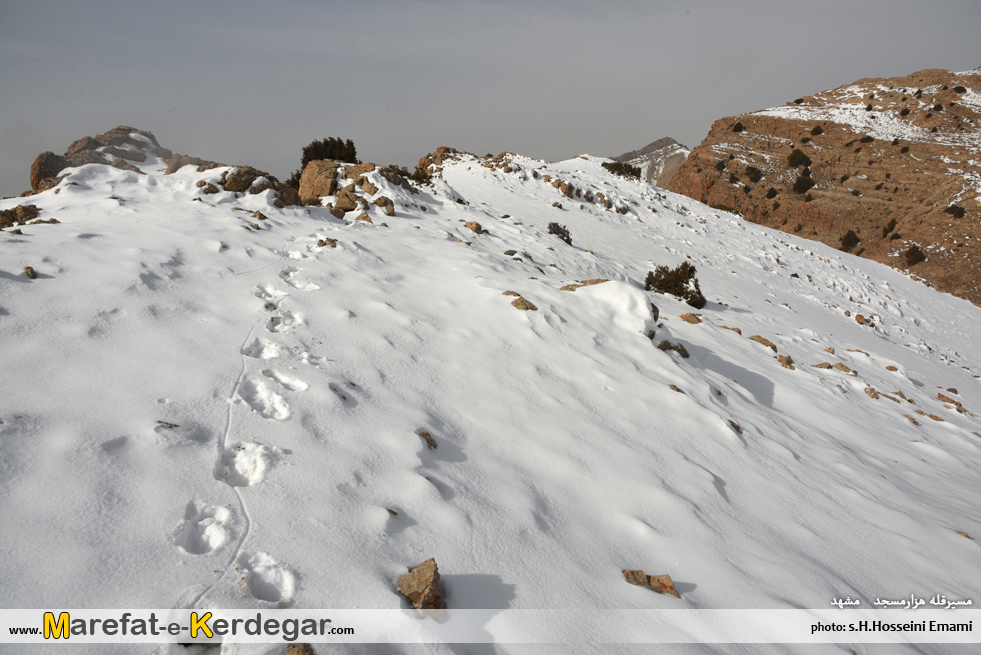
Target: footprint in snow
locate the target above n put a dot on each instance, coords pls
(264, 578)
(288, 276)
(289, 383)
(261, 349)
(205, 528)
(246, 464)
(285, 320)
(263, 400)
(268, 292)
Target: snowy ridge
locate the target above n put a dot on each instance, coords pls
(207, 409)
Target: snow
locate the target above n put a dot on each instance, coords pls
(199, 414)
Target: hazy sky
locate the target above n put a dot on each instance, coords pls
(253, 82)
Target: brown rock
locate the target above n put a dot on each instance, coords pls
(327, 243)
(662, 584)
(844, 369)
(258, 214)
(85, 143)
(735, 426)
(30, 272)
(511, 293)
(421, 586)
(126, 166)
(430, 442)
(128, 155)
(524, 305)
(46, 165)
(118, 136)
(821, 365)
(300, 649)
(688, 317)
(241, 178)
(830, 350)
(871, 393)
(598, 280)
(947, 399)
(209, 188)
(570, 287)
(901, 199)
(734, 329)
(19, 214)
(347, 200)
(675, 388)
(354, 171)
(365, 185)
(178, 162)
(85, 157)
(319, 178)
(891, 368)
(364, 218)
(386, 204)
(336, 213)
(475, 227)
(762, 340)
(786, 361)
(911, 419)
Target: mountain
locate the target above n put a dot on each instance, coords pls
(213, 401)
(889, 169)
(657, 161)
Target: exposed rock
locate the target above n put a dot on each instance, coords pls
(347, 200)
(258, 214)
(570, 287)
(178, 162)
(474, 226)
(118, 136)
(365, 185)
(300, 649)
(354, 171)
(126, 166)
(763, 340)
(30, 272)
(825, 365)
(844, 369)
(600, 280)
(421, 586)
(786, 361)
(241, 178)
(734, 329)
(46, 165)
(428, 438)
(688, 317)
(386, 204)
(84, 157)
(675, 388)
(524, 305)
(678, 348)
(871, 393)
(327, 243)
(900, 176)
(657, 161)
(363, 217)
(209, 188)
(85, 143)
(511, 293)
(128, 155)
(662, 584)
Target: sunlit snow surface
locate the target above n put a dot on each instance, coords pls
(297, 377)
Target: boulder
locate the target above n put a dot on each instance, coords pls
(662, 584)
(85, 143)
(129, 155)
(386, 204)
(126, 166)
(347, 200)
(19, 214)
(354, 171)
(177, 162)
(46, 165)
(83, 157)
(241, 178)
(319, 178)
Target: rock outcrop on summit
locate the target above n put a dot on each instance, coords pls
(888, 169)
(657, 161)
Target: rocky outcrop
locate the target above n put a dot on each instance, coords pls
(46, 165)
(178, 162)
(17, 215)
(657, 161)
(319, 178)
(421, 586)
(888, 169)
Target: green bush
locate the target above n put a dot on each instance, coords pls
(679, 282)
(620, 168)
(330, 148)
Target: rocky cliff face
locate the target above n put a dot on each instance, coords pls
(657, 161)
(888, 169)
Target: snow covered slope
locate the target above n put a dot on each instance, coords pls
(204, 409)
(657, 161)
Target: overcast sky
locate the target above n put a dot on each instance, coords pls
(253, 82)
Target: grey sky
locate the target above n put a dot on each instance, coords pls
(253, 82)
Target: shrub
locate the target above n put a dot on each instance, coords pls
(679, 282)
(849, 240)
(738, 127)
(914, 255)
(803, 184)
(747, 189)
(732, 178)
(856, 193)
(771, 193)
(904, 150)
(934, 129)
(330, 148)
(868, 107)
(817, 130)
(560, 231)
(622, 169)
(955, 210)
(844, 178)
(798, 158)
(808, 198)
(720, 165)
(754, 174)
(806, 139)
(938, 107)
(799, 101)
(866, 139)
(959, 89)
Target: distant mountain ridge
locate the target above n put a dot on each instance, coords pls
(657, 161)
(888, 169)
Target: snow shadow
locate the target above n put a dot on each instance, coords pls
(477, 591)
(761, 387)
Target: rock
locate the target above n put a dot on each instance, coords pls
(178, 162)
(860, 319)
(326, 243)
(901, 197)
(762, 340)
(319, 178)
(830, 350)
(209, 188)
(662, 584)
(511, 293)
(365, 185)
(510, 253)
(126, 166)
(598, 280)
(891, 368)
(30, 272)
(657, 161)
(19, 214)
(128, 155)
(258, 214)
(118, 136)
(871, 393)
(570, 287)
(734, 329)
(655, 312)
(688, 317)
(364, 218)
(524, 305)
(674, 388)
(241, 178)
(786, 361)
(430, 443)
(85, 143)
(824, 365)
(85, 157)
(46, 165)
(735, 426)
(386, 204)
(911, 419)
(354, 171)
(347, 200)
(336, 213)
(844, 369)
(475, 227)
(300, 649)
(421, 586)
(678, 348)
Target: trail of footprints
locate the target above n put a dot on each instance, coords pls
(210, 528)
